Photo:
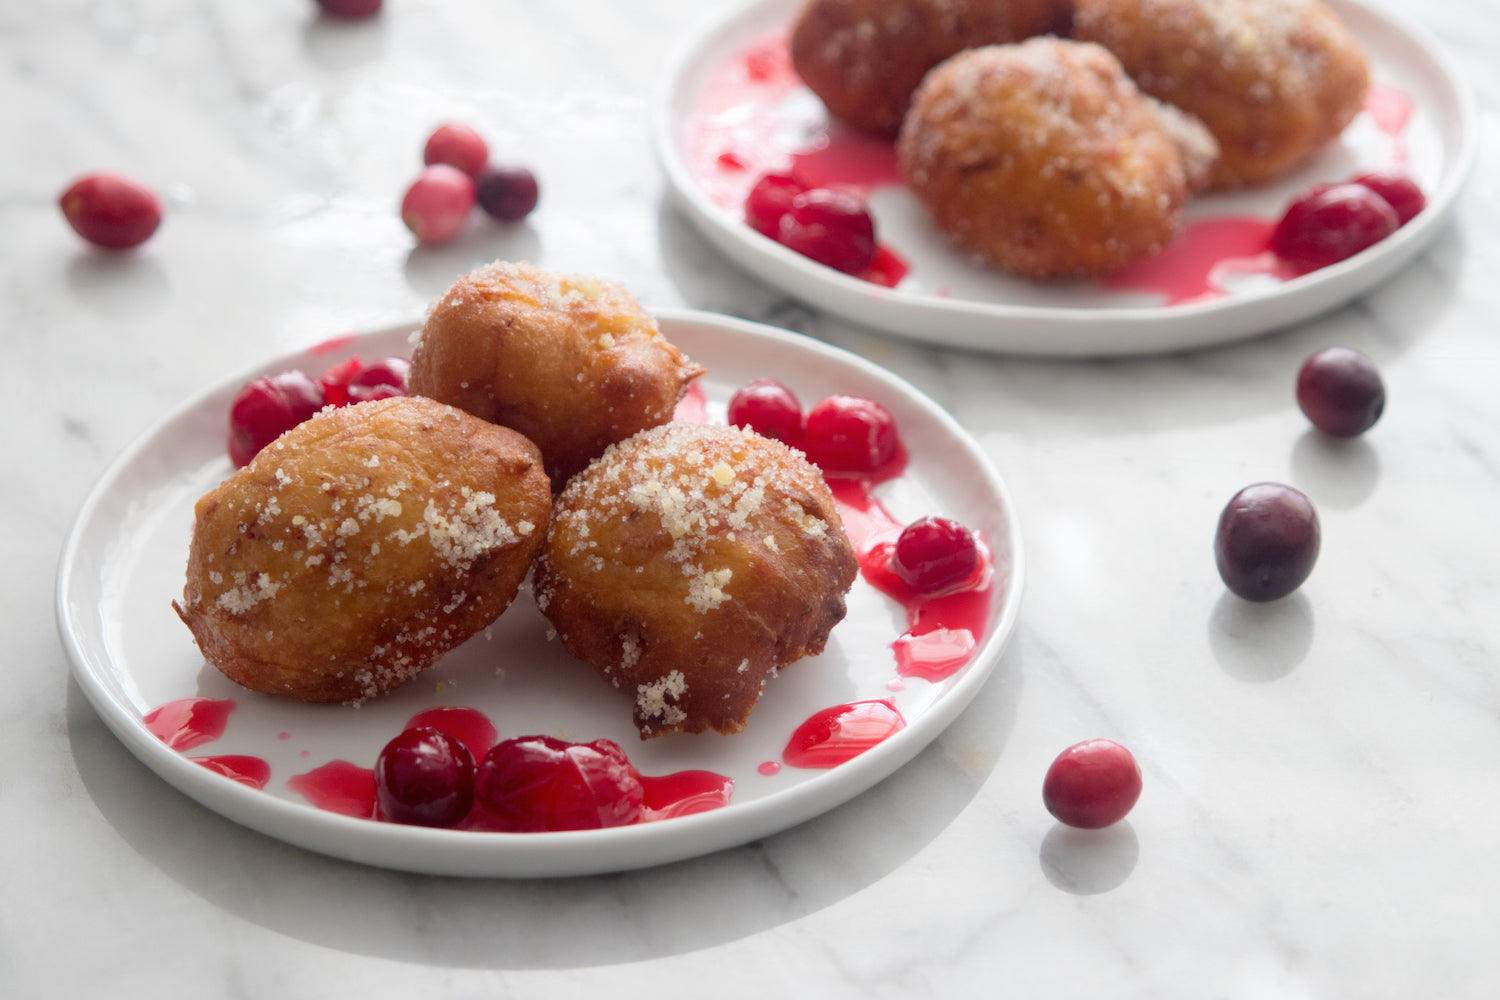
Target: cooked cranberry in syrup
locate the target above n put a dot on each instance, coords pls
(267, 408)
(935, 555)
(769, 200)
(832, 227)
(424, 777)
(1332, 223)
(543, 784)
(851, 436)
(768, 408)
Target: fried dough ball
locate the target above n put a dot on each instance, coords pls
(361, 546)
(573, 363)
(690, 563)
(864, 58)
(1044, 159)
(1274, 80)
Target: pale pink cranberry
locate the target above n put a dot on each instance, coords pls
(111, 211)
(1330, 224)
(1399, 191)
(457, 145)
(850, 436)
(351, 8)
(267, 408)
(541, 783)
(832, 227)
(438, 203)
(424, 777)
(769, 409)
(507, 193)
(935, 555)
(1092, 784)
(769, 200)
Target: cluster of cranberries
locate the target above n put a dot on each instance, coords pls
(1333, 222)
(828, 225)
(457, 176)
(844, 436)
(269, 406)
(532, 784)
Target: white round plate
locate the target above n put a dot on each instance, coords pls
(948, 299)
(124, 563)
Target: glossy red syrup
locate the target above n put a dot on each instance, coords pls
(839, 734)
(692, 408)
(471, 728)
(338, 787)
(1194, 267)
(685, 793)
(247, 770)
(189, 722)
(333, 344)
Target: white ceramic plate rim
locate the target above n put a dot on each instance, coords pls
(1047, 331)
(448, 852)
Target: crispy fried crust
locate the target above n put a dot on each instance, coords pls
(573, 363)
(1274, 80)
(361, 546)
(864, 58)
(688, 564)
(1044, 159)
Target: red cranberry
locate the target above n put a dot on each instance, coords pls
(351, 8)
(380, 380)
(507, 193)
(850, 436)
(424, 777)
(267, 408)
(769, 409)
(1092, 784)
(335, 381)
(1340, 391)
(831, 227)
(540, 783)
(935, 555)
(1330, 224)
(457, 145)
(769, 200)
(1267, 541)
(438, 203)
(111, 211)
(1398, 190)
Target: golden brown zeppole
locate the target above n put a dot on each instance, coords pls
(1045, 160)
(1273, 80)
(362, 545)
(689, 564)
(572, 362)
(863, 58)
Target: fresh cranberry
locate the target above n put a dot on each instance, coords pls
(111, 211)
(267, 408)
(769, 200)
(1092, 784)
(438, 203)
(1330, 224)
(540, 783)
(507, 193)
(935, 555)
(1267, 541)
(1398, 190)
(832, 227)
(850, 436)
(769, 409)
(1340, 391)
(351, 8)
(424, 777)
(457, 145)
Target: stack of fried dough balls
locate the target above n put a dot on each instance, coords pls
(362, 545)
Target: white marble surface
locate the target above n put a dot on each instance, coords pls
(1322, 774)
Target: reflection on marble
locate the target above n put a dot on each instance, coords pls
(1320, 773)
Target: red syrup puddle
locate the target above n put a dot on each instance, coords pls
(338, 787)
(684, 793)
(837, 735)
(1194, 266)
(333, 344)
(189, 722)
(692, 408)
(247, 770)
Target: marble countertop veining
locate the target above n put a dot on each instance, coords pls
(1322, 774)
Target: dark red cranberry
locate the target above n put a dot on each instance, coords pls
(1267, 541)
(769, 409)
(935, 555)
(437, 205)
(1330, 224)
(1340, 391)
(540, 783)
(832, 227)
(769, 200)
(267, 408)
(850, 436)
(507, 193)
(351, 8)
(424, 777)
(111, 211)
(1092, 784)
(1398, 190)
(457, 145)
